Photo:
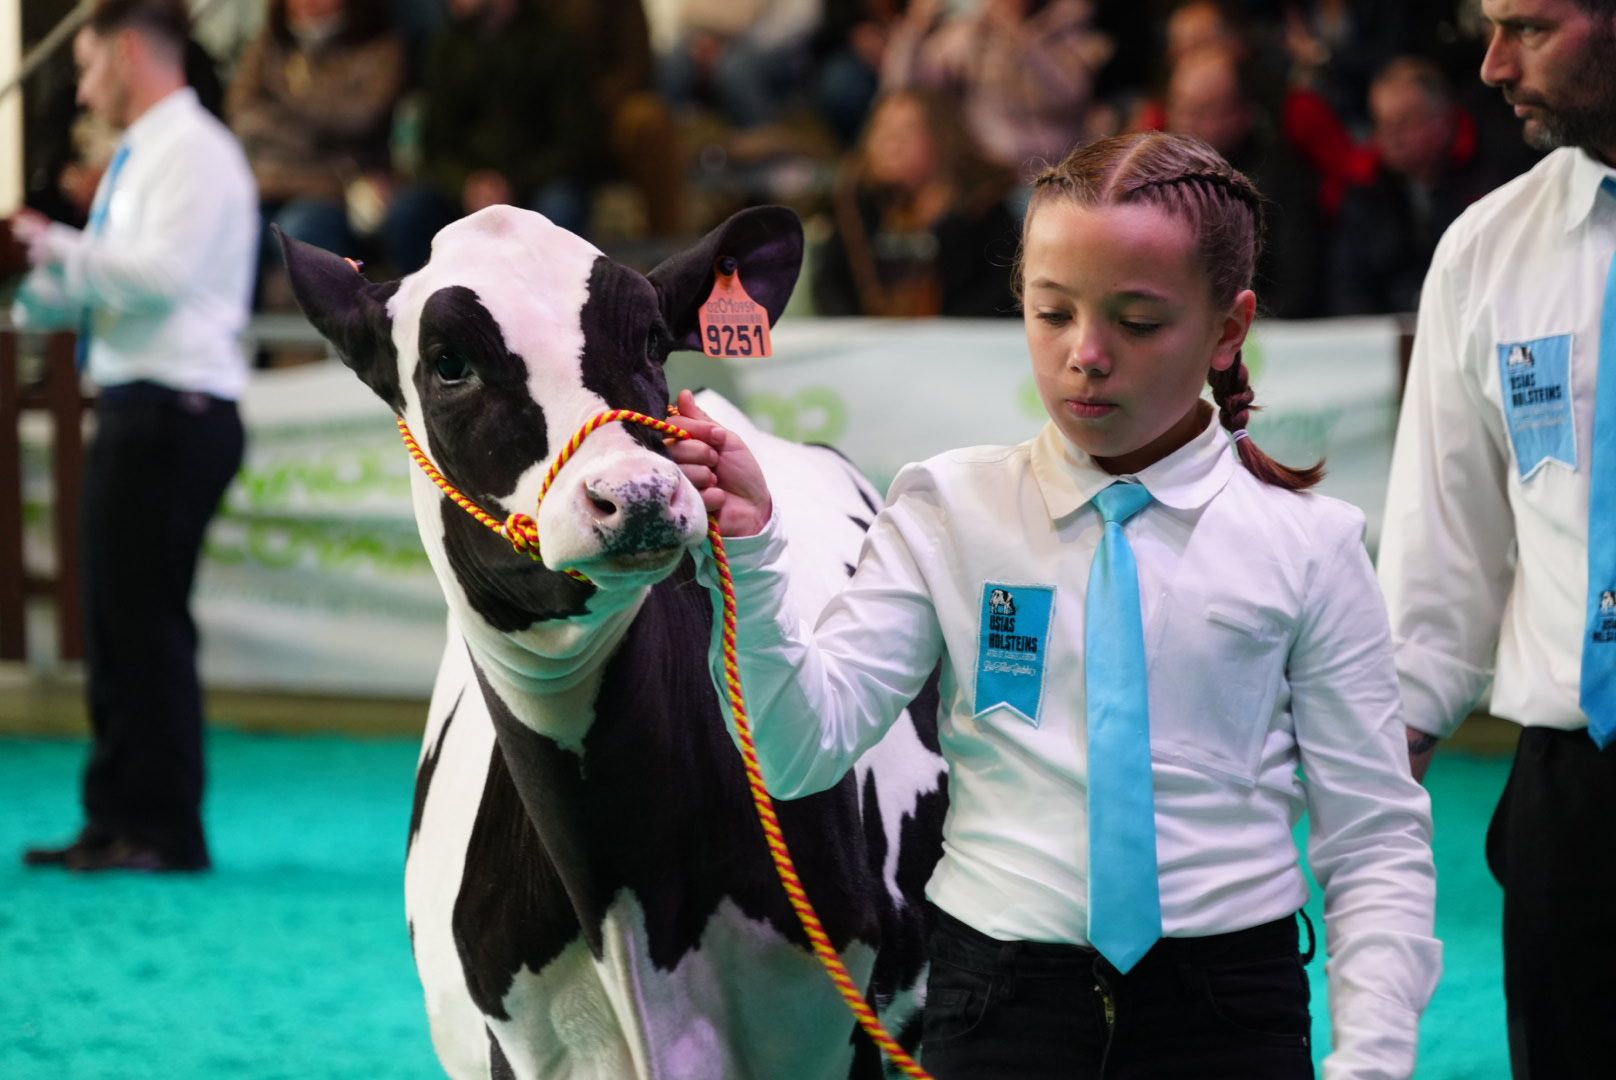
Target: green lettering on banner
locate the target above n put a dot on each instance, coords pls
(1029, 400)
(341, 475)
(284, 544)
(813, 414)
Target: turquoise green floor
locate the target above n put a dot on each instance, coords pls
(291, 959)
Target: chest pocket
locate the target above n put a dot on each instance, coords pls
(1217, 667)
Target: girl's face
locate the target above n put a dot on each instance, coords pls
(900, 150)
(1122, 328)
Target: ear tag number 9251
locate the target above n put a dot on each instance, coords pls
(732, 323)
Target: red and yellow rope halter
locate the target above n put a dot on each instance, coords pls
(523, 534)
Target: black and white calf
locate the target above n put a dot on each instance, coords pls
(588, 888)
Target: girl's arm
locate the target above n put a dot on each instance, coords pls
(1370, 844)
(818, 696)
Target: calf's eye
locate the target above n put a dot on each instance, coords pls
(451, 367)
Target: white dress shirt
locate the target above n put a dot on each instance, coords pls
(1268, 651)
(1482, 565)
(167, 277)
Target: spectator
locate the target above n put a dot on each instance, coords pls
(312, 102)
(746, 58)
(1209, 98)
(639, 140)
(507, 116)
(921, 224)
(158, 283)
(852, 41)
(1337, 46)
(1305, 119)
(1022, 70)
(1429, 172)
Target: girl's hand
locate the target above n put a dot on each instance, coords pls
(721, 467)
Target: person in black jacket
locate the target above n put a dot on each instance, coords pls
(1430, 170)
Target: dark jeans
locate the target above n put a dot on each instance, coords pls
(158, 466)
(1228, 1007)
(1552, 846)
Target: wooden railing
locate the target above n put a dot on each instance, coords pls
(56, 393)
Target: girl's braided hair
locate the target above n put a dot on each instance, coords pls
(1224, 211)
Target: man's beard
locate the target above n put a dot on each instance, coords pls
(1590, 126)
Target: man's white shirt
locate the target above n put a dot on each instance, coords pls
(168, 276)
(1484, 550)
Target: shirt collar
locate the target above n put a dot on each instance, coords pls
(1582, 187)
(154, 118)
(1186, 479)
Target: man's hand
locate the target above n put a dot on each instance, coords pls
(1421, 747)
(30, 227)
(721, 467)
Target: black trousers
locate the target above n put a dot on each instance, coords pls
(1227, 1007)
(1552, 846)
(158, 466)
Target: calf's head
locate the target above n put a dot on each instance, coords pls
(514, 334)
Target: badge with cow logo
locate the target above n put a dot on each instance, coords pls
(1536, 389)
(733, 325)
(1012, 647)
(1603, 623)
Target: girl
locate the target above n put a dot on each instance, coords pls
(1153, 661)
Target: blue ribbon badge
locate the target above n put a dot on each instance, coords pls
(1536, 389)
(1012, 645)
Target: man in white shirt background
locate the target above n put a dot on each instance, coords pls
(1500, 531)
(158, 286)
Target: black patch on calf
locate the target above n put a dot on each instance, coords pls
(924, 711)
(485, 430)
(920, 845)
(508, 589)
(658, 804)
(499, 1066)
(423, 774)
(512, 911)
(625, 344)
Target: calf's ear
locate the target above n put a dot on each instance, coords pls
(766, 244)
(349, 311)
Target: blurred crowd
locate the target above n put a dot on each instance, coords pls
(906, 133)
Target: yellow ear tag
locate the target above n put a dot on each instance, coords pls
(732, 323)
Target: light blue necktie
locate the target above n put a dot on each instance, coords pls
(1599, 640)
(98, 221)
(1124, 897)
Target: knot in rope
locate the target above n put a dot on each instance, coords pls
(523, 533)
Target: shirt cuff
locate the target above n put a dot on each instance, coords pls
(757, 565)
(1375, 1038)
(1438, 691)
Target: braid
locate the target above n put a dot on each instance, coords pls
(1235, 186)
(1231, 389)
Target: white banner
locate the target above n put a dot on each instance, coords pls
(313, 579)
